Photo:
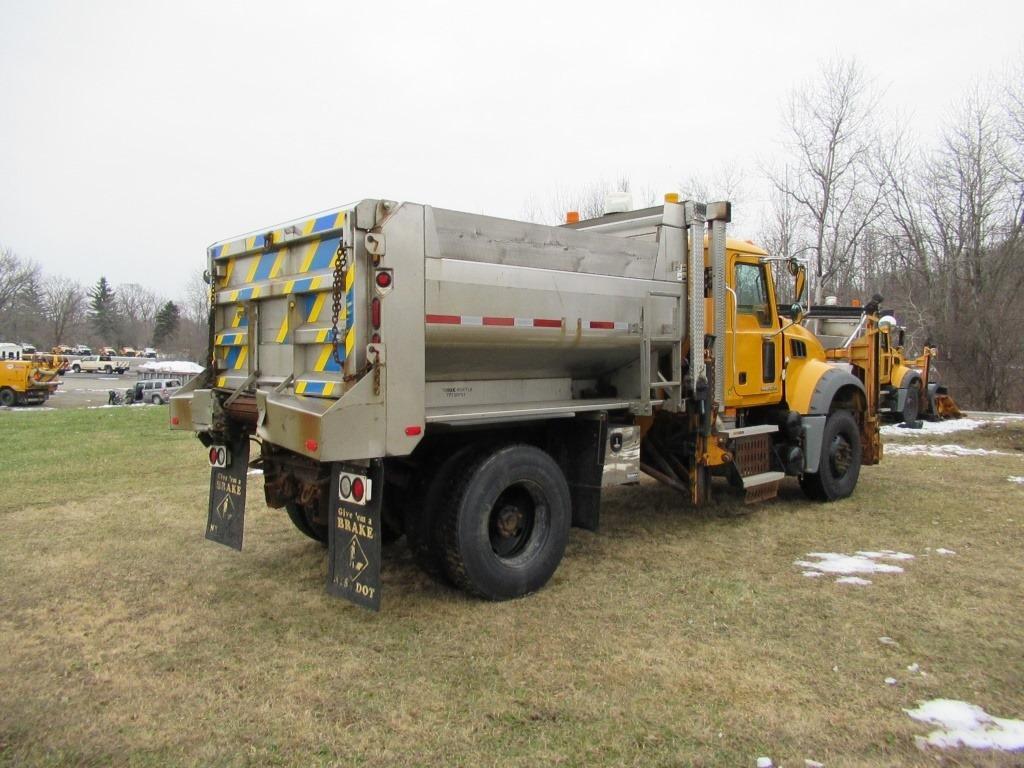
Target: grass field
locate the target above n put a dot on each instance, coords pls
(671, 637)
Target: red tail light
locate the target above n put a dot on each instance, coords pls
(312, 445)
(213, 455)
(375, 312)
(383, 279)
(357, 489)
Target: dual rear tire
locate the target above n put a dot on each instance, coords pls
(507, 522)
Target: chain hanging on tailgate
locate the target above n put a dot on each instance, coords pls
(340, 270)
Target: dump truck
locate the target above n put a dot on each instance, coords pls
(25, 382)
(474, 383)
(909, 389)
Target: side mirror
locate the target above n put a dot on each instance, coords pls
(800, 284)
(796, 312)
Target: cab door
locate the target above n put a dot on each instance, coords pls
(753, 361)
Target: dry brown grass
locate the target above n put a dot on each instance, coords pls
(670, 638)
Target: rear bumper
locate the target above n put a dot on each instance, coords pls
(352, 427)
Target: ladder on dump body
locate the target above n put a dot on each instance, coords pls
(751, 446)
(691, 268)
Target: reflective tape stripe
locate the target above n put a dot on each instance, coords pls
(318, 304)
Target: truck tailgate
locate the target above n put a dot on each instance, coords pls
(273, 307)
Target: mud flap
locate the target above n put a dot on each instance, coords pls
(225, 519)
(354, 534)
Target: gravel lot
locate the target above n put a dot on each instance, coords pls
(80, 390)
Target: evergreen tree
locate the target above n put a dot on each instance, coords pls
(166, 323)
(103, 311)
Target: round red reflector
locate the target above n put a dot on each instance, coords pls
(312, 445)
(213, 455)
(357, 489)
(375, 312)
(384, 279)
(413, 431)
(175, 421)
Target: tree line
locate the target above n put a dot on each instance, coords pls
(930, 217)
(52, 310)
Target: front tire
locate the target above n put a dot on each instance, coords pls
(76, 368)
(839, 465)
(507, 527)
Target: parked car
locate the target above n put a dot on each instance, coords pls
(155, 391)
(99, 363)
(81, 349)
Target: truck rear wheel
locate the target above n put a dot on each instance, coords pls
(424, 520)
(506, 529)
(839, 465)
(8, 397)
(302, 518)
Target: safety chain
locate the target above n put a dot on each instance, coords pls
(211, 320)
(340, 268)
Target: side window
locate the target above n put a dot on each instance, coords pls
(752, 293)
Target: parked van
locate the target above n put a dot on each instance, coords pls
(155, 391)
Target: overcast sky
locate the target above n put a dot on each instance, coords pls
(133, 134)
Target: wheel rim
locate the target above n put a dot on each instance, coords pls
(513, 519)
(840, 456)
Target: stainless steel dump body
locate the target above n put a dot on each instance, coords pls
(480, 320)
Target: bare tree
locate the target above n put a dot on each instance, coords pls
(953, 220)
(63, 306)
(724, 182)
(16, 277)
(138, 306)
(196, 303)
(588, 200)
(829, 135)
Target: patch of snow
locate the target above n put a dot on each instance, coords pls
(967, 725)
(1016, 479)
(27, 408)
(813, 574)
(813, 764)
(171, 366)
(836, 562)
(939, 451)
(914, 668)
(934, 427)
(944, 551)
(887, 554)
(890, 681)
(853, 580)
(764, 762)
(884, 640)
